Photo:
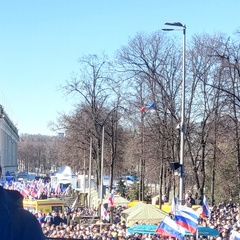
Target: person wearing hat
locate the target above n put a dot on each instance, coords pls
(16, 223)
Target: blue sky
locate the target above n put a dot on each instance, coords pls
(42, 40)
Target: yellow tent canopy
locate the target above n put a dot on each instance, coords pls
(134, 202)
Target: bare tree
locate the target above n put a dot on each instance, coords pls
(153, 60)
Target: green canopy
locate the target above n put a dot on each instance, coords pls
(146, 214)
(128, 211)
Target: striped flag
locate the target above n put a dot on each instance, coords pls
(206, 212)
(169, 228)
(187, 218)
(149, 107)
(57, 189)
(189, 211)
(104, 213)
(111, 199)
(24, 191)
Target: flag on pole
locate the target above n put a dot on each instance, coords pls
(104, 213)
(24, 191)
(111, 199)
(187, 218)
(169, 228)
(57, 189)
(206, 212)
(149, 107)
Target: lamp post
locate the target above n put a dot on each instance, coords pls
(182, 126)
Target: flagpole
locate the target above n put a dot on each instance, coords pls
(182, 124)
(90, 173)
(84, 172)
(101, 185)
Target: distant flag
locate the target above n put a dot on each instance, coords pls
(111, 199)
(174, 205)
(33, 191)
(206, 212)
(24, 191)
(169, 228)
(187, 218)
(235, 235)
(150, 106)
(104, 213)
(57, 189)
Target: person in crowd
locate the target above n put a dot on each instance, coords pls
(49, 219)
(56, 220)
(63, 217)
(41, 217)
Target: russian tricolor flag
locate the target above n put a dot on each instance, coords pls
(111, 199)
(169, 228)
(194, 214)
(187, 218)
(206, 212)
(149, 107)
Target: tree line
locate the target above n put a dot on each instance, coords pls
(109, 94)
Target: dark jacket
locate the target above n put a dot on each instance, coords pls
(24, 225)
(56, 220)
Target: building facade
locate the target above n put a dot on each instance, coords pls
(9, 139)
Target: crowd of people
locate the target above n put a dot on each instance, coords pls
(224, 217)
(82, 223)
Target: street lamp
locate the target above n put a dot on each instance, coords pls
(182, 126)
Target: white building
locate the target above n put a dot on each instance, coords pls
(8, 144)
